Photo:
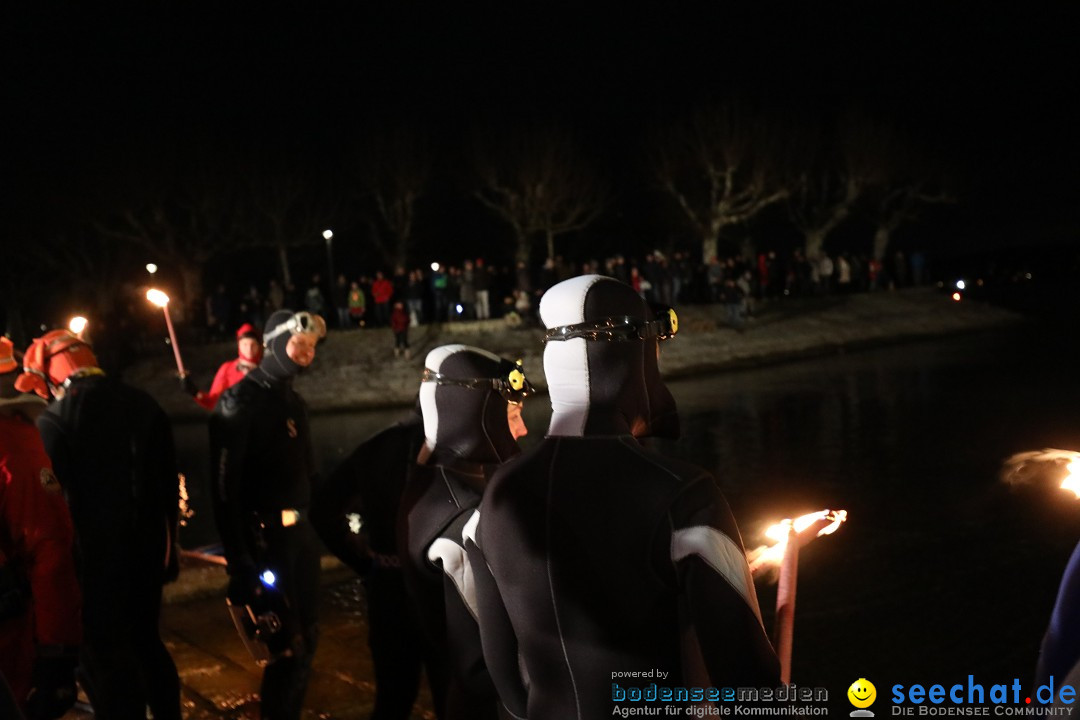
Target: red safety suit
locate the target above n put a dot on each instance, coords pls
(36, 539)
(228, 374)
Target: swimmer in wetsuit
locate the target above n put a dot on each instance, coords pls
(469, 398)
(592, 554)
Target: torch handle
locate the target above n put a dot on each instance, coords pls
(175, 345)
(785, 605)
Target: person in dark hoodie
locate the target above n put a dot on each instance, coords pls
(464, 396)
(262, 472)
(112, 449)
(592, 554)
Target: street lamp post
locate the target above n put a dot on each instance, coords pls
(329, 236)
(331, 281)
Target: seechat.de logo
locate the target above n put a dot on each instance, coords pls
(862, 695)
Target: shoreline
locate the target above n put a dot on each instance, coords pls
(355, 369)
(782, 332)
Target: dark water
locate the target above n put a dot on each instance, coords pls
(941, 571)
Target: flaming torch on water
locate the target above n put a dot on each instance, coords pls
(1024, 468)
(788, 536)
(162, 301)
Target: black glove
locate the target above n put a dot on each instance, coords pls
(188, 385)
(52, 691)
(244, 585)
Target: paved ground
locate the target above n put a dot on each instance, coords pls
(220, 680)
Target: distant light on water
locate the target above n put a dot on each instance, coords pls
(956, 297)
(960, 284)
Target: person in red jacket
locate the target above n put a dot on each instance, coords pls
(381, 292)
(40, 625)
(249, 353)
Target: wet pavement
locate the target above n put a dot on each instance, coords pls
(220, 680)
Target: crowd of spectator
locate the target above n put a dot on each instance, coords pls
(476, 290)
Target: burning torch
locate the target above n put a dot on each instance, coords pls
(162, 301)
(788, 536)
(1026, 467)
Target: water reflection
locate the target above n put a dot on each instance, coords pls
(908, 439)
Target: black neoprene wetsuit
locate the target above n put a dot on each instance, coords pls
(595, 556)
(437, 503)
(112, 449)
(263, 464)
(368, 485)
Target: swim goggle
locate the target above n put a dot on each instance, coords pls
(514, 386)
(620, 328)
(302, 323)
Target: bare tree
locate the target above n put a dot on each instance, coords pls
(537, 181)
(183, 229)
(820, 201)
(394, 169)
(841, 163)
(721, 168)
(289, 208)
(905, 183)
(94, 268)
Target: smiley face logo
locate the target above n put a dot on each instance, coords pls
(862, 693)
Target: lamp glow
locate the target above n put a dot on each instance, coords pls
(269, 578)
(434, 267)
(77, 324)
(151, 268)
(328, 234)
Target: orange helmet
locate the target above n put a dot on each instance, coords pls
(7, 356)
(51, 360)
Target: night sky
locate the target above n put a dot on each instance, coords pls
(101, 108)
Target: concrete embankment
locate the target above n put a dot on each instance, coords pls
(357, 369)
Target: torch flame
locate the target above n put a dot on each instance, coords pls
(1072, 480)
(1026, 467)
(767, 556)
(157, 297)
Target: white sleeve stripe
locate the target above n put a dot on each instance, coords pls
(469, 531)
(721, 554)
(455, 563)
